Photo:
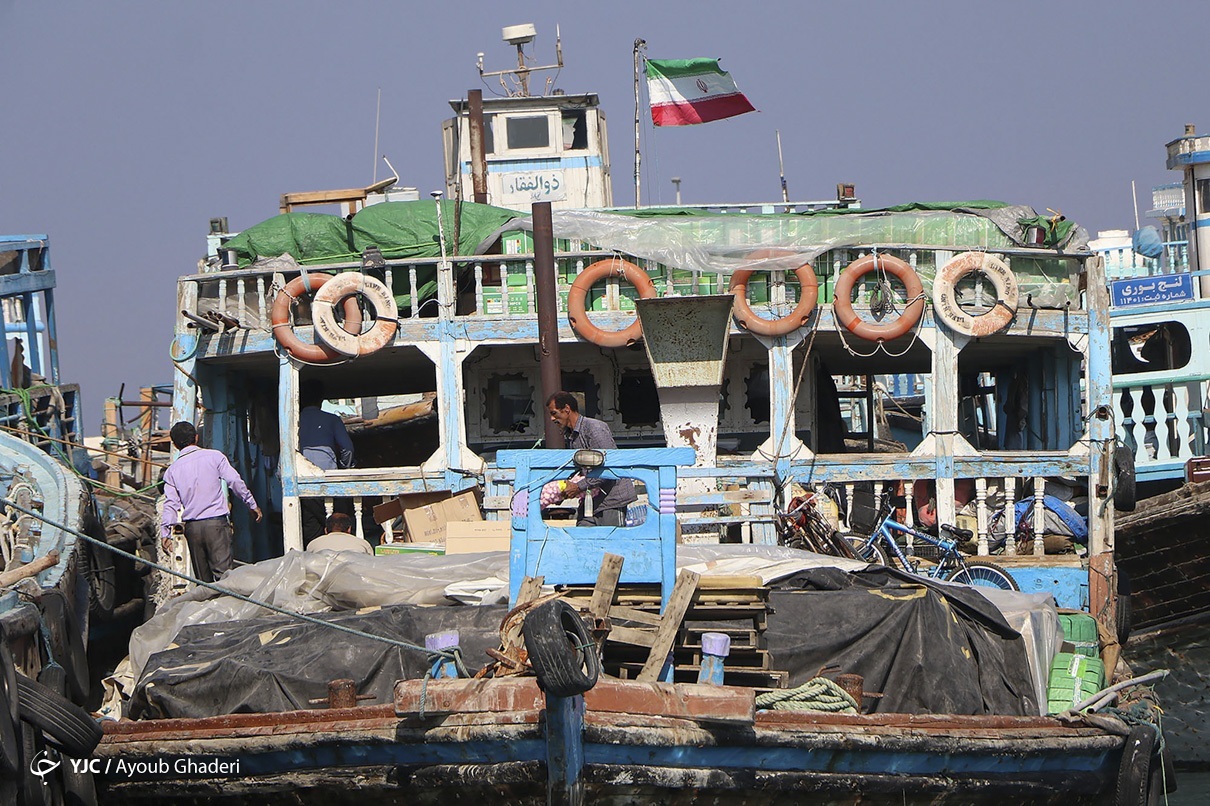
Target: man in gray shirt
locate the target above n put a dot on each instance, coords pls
(609, 497)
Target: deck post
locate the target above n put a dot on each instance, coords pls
(287, 419)
(564, 750)
(184, 389)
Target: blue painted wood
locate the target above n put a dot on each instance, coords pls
(567, 555)
(711, 672)
(1068, 584)
(564, 749)
(858, 761)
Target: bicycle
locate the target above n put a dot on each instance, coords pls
(951, 565)
(804, 527)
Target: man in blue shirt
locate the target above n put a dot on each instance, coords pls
(323, 441)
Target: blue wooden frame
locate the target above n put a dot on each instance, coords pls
(568, 555)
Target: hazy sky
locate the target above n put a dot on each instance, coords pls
(128, 125)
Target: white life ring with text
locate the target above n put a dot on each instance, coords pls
(945, 304)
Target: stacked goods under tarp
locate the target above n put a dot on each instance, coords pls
(927, 648)
(399, 230)
(711, 242)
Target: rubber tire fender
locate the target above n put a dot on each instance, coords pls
(66, 642)
(808, 296)
(842, 298)
(79, 788)
(10, 747)
(563, 656)
(35, 790)
(67, 726)
(577, 314)
(1134, 770)
(1124, 492)
(283, 328)
(346, 287)
(873, 553)
(945, 305)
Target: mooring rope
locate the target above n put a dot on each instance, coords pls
(818, 694)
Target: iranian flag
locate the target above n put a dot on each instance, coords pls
(687, 91)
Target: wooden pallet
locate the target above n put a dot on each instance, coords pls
(732, 676)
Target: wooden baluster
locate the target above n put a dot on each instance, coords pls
(910, 504)
(327, 506)
(981, 514)
(480, 308)
(388, 277)
(848, 506)
(222, 296)
(531, 295)
(239, 295)
(414, 290)
(1039, 515)
(1010, 516)
(262, 311)
(361, 532)
(1179, 418)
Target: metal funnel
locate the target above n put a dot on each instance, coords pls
(686, 343)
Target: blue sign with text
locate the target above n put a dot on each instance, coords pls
(1150, 290)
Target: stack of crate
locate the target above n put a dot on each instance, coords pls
(1077, 672)
(735, 606)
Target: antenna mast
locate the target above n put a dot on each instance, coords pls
(522, 35)
(781, 169)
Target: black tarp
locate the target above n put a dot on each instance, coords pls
(927, 648)
(280, 664)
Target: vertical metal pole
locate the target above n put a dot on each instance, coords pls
(781, 168)
(639, 44)
(548, 316)
(474, 102)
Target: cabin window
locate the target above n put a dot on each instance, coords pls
(756, 394)
(638, 400)
(575, 129)
(584, 387)
(528, 132)
(510, 403)
(1155, 347)
(1203, 196)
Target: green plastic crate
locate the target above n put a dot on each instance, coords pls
(1073, 679)
(1080, 630)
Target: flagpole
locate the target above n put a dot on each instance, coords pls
(639, 45)
(781, 167)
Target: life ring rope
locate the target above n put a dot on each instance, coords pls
(910, 316)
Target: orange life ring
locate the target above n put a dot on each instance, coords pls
(346, 287)
(807, 297)
(842, 298)
(945, 305)
(283, 328)
(577, 315)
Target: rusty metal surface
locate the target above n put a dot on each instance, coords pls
(686, 338)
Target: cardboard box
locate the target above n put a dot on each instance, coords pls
(466, 537)
(426, 524)
(409, 548)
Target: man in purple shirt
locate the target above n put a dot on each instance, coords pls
(194, 498)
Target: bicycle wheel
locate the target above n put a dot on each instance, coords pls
(982, 573)
(871, 553)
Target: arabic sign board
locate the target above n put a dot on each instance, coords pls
(533, 186)
(1150, 290)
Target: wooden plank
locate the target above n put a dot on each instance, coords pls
(531, 588)
(629, 614)
(700, 703)
(462, 696)
(630, 635)
(606, 587)
(674, 614)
